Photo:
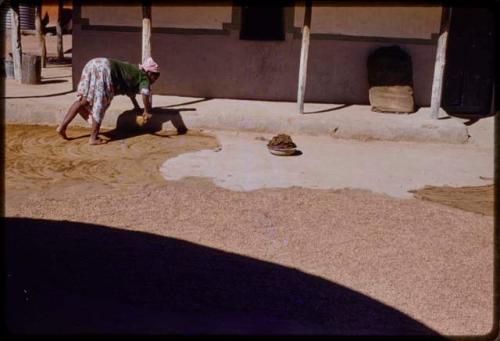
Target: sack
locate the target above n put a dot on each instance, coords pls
(397, 99)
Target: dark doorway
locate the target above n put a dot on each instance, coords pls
(262, 22)
(470, 73)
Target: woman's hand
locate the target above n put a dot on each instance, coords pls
(146, 116)
(146, 99)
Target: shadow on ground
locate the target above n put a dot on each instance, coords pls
(68, 277)
(127, 126)
(40, 96)
(190, 102)
(339, 107)
(59, 60)
(53, 81)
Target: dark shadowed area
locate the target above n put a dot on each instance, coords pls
(67, 277)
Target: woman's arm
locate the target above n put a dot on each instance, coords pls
(146, 99)
(134, 101)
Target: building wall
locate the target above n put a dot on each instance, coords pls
(200, 53)
(387, 21)
(163, 15)
(191, 17)
(117, 15)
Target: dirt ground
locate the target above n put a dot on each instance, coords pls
(105, 232)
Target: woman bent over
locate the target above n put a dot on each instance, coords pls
(101, 80)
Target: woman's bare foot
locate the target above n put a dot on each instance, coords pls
(62, 132)
(97, 142)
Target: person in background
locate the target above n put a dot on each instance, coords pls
(101, 80)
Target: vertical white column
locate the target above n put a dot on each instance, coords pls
(304, 52)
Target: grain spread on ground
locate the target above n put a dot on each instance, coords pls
(77, 197)
(36, 158)
(477, 199)
(282, 141)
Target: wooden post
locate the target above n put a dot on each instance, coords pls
(31, 69)
(15, 31)
(304, 51)
(437, 82)
(60, 51)
(40, 33)
(146, 29)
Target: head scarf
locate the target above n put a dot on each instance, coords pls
(150, 65)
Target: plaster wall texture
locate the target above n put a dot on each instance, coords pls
(418, 22)
(388, 21)
(204, 17)
(124, 46)
(163, 15)
(115, 15)
(221, 65)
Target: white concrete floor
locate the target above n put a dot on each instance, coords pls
(243, 163)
